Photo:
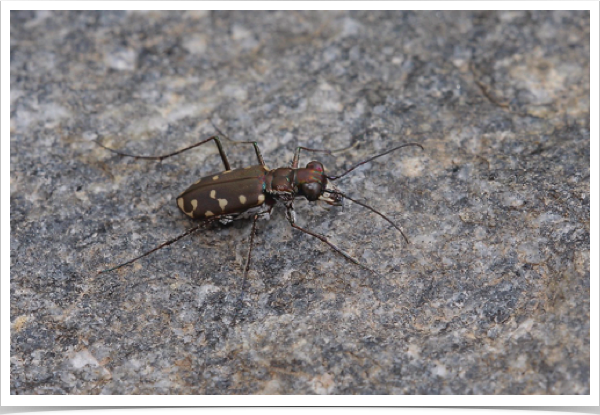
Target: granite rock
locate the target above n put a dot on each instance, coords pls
(491, 296)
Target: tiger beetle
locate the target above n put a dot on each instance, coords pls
(251, 192)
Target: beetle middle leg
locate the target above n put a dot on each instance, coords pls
(240, 301)
(259, 156)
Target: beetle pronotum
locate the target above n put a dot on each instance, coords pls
(251, 192)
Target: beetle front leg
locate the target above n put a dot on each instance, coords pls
(296, 159)
(290, 213)
(291, 217)
(297, 154)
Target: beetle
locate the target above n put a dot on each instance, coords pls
(251, 192)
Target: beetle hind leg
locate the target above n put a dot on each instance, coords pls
(161, 246)
(164, 156)
(259, 156)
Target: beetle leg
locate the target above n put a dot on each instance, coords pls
(254, 143)
(167, 243)
(240, 300)
(259, 156)
(340, 150)
(297, 154)
(345, 196)
(160, 158)
(290, 215)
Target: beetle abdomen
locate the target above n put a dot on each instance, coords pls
(226, 193)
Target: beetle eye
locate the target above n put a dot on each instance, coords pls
(312, 191)
(315, 165)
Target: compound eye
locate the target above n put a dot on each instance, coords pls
(315, 165)
(312, 191)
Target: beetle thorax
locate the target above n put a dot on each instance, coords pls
(286, 183)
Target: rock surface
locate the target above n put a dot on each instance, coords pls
(491, 296)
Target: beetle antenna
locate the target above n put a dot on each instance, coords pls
(373, 158)
(345, 196)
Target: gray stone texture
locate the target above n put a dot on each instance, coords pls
(491, 296)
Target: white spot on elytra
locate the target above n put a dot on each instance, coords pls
(261, 198)
(194, 204)
(180, 204)
(213, 194)
(222, 203)
(209, 213)
(243, 199)
(215, 177)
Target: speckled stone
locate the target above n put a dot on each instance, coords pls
(491, 296)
